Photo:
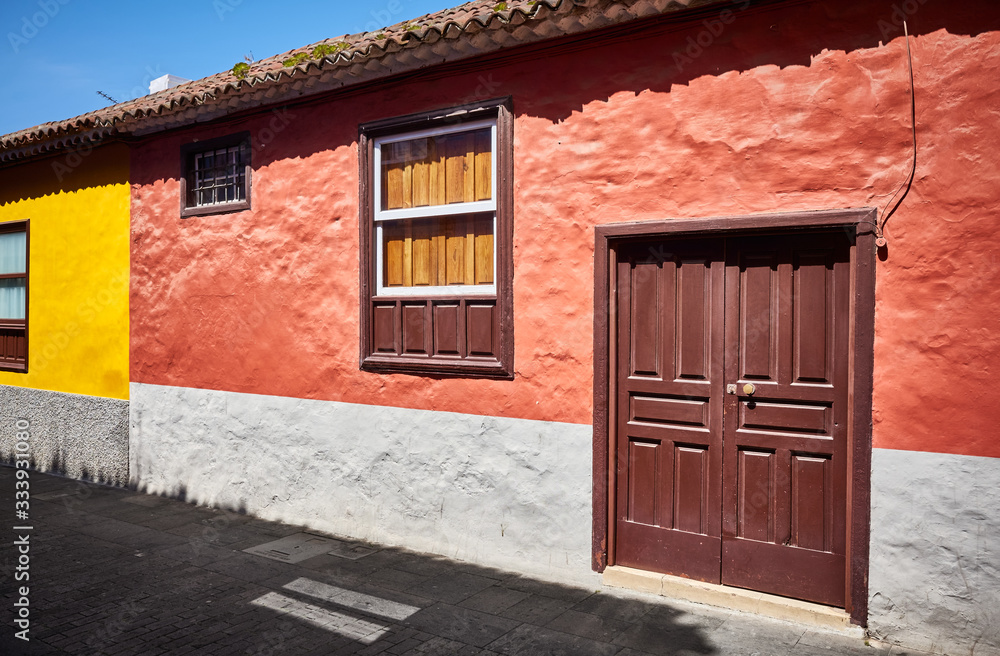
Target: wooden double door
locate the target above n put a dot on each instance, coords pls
(732, 372)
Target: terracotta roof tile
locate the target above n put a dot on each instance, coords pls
(470, 29)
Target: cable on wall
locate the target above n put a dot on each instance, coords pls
(880, 240)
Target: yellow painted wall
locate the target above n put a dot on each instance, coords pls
(78, 270)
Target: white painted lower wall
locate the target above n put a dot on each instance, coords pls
(508, 493)
(934, 576)
(83, 437)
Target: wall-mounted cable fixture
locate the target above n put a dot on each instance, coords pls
(880, 240)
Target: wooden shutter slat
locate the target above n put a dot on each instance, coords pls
(393, 255)
(437, 177)
(407, 164)
(484, 251)
(393, 194)
(455, 169)
(469, 146)
(470, 251)
(456, 253)
(421, 173)
(408, 254)
(484, 168)
(440, 249)
(422, 269)
(433, 228)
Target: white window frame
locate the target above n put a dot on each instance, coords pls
(432, 211)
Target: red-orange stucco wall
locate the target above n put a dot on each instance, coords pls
(794, 108)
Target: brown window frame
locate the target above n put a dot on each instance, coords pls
(400, 309)
(188, 153)
(18, 325)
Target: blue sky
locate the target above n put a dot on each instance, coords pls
(57, 54)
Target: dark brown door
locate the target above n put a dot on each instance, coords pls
(670, 403)
(731, 420)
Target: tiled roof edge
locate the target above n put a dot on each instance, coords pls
(391, 45)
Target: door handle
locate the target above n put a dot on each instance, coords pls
(748, 389)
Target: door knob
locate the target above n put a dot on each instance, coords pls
(749, 389)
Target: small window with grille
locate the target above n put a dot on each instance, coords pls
(216, 175)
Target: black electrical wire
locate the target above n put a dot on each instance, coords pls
(913, 126)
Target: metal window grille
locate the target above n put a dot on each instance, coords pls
(219, 176)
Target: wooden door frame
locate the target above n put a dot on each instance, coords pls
(860, 222)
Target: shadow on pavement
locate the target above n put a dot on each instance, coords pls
(109, 570)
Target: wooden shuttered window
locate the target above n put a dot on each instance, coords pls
(451, 250)
(437, 170)
(436, 243)
(14, 296)
(435, 210)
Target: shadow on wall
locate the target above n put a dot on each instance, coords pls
(54, 464)
(67, 172)
(737, 36)
(179, 492)
(75, 436)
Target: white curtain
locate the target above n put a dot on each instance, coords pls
(12, 298)
(13, 259)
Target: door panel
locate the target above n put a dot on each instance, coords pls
(670, 408)
(810, 520)
(785, 455)
(743, 489)
(804, 573)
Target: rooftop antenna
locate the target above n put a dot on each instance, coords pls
(113, 101)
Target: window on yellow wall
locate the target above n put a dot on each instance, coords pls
(14, 296)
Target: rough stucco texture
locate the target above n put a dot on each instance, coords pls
(503, 492)
(935, 556)
(83, 437)
(798, 108)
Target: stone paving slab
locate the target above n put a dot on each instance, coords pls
(117, 572)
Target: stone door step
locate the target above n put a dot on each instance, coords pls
(721, 596)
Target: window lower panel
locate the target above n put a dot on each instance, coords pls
(13, 347)
(455, 333)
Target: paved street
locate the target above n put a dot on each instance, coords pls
(116, 572)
